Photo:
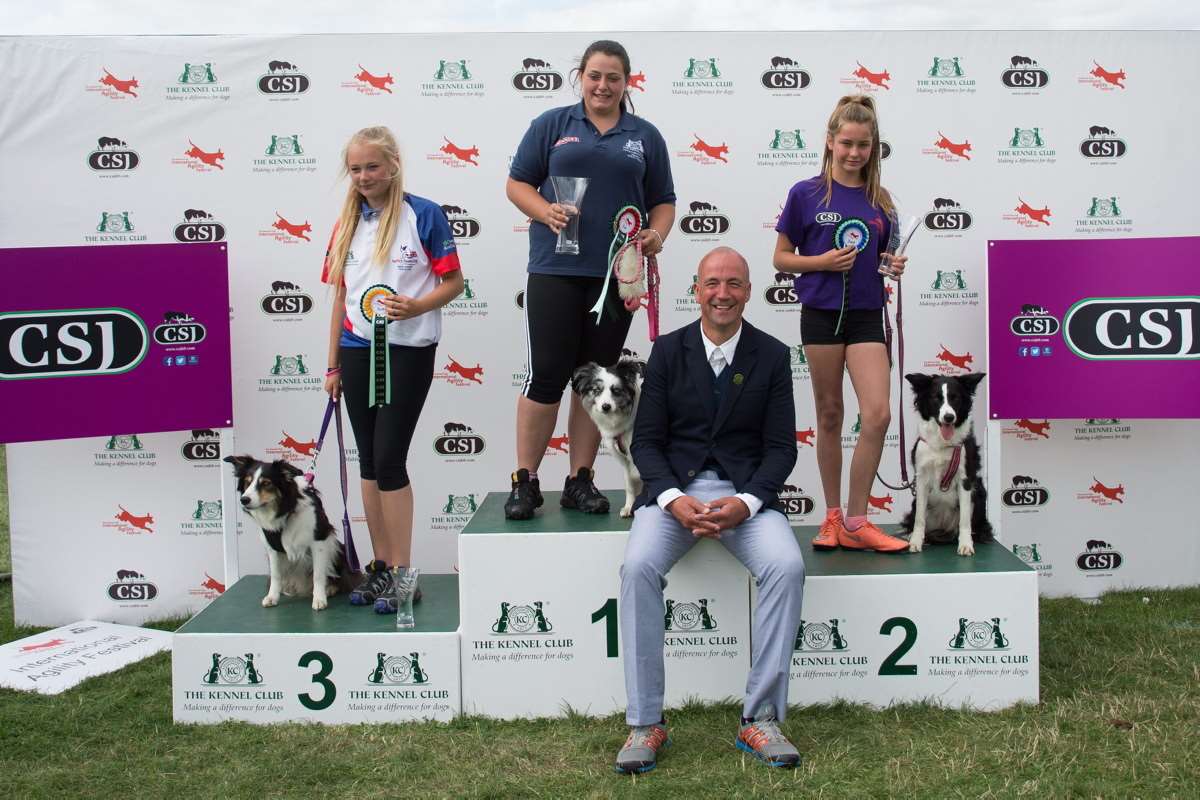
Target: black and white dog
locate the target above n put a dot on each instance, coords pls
(610, 396)
(951, 502)
(304, 553)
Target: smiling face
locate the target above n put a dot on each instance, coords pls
(371, 172)
(603, 84)
(722, 289)
(852, 147)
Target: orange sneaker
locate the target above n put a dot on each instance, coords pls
(868, 537)
(827, 535)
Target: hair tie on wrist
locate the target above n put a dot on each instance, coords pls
(332, 371)
(656, 233)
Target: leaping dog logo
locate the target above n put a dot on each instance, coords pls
(212, 583)
(303, 448)
(1036, 428)
(141, 523)
(207, 158)
(959, 361)
(295, 230)
(1035, 214)
(43, 645)
(467, 154)
(876, 78)
(882, 503)
(806, 437)
(716, 152)
(636, 80)
(559, 443)
(380, 82)
(1111, 492)
(125, 87)
(959, 150)
(1113, 78)
(467, 373)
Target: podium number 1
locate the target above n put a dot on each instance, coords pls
(608, 613)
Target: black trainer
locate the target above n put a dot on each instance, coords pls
(526, 495)
(580, 493)
(377, 584)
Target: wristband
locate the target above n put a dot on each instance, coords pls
(332, 371)
(657, 234)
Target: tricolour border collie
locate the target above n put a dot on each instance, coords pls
(951, 501)
(304, 553)
(610, 397)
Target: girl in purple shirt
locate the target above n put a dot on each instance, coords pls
(832, 233)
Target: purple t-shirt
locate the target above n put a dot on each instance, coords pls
(810, 225)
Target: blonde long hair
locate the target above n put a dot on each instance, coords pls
(378, 136)
(861, 109)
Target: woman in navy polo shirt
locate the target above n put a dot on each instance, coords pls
(625, 161)
(833, 230)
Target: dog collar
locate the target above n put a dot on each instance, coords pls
(274, 540)
(948, 476)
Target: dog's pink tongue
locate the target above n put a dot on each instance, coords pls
(947, 432)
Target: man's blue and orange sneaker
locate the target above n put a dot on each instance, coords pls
(762, 739)
(640, 751)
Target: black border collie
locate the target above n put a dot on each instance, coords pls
(304, 553)
(951, 501)
(610, 396)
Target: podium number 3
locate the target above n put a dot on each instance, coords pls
(320, 677)
(608, 613)
(891, 665)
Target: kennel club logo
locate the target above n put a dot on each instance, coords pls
(1106, 80)
(198, 225)
(457, 373)
(527, 632)
(1027, 430)
(688, 616)
(798, 362)
(453, 78)
(132, 588)
(948, 219)
(463, 226)
(370, 83)
(1102, 145)
(203, 447)
(114, 88)
(113, 157)
(284, 153)
(455, 512)
(1026, 146)
(206, 519)
(114, 227)
(1104, 215)
(786, 148)
(468, 304)
(702, 77)
(946, 76)
(702, 152)
(289, 373)
(232, 671)
(949, 150)
(1024, 75)
(537, 78)
(1030, 554)
(704, 222)
(287, 302)
(796, 504)
(785, 77)
(1099, 559)
(458, 442)
(124, 450)
(76, 342)
(818, 637)
(1025, 494)
(782, 293)
(948, 289)
(867, 80)
(515, 620)
(283, 80)
(456, 157)
(1101, 430)
(978, 635)
(197, 81)
(1134, 328)
(397, 671)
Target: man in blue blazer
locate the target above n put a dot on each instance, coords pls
(714, 440)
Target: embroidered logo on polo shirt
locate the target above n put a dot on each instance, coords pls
(566, 140)
(828, 218)
(407, 259)
(633, 148)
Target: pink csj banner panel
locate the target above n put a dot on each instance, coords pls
(96, 341)
(1094, 329)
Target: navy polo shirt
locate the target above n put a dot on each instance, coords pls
(628, 165)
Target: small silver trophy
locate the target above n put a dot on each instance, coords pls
(896, 247)
(568, 193)
(405, 579)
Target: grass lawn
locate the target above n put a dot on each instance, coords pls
(1120, 717)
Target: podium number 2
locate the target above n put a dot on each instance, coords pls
(608, 613)
(320, 677)
(890, 665)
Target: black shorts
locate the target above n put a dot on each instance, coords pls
(562, 334)
(818, 326)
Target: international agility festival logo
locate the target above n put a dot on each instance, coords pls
(370, 83)
(682, 616)
(702, 152)
(786, 147)
(452, 77)
(283, 80)
(204, 518)
(197, 80)
(946, 76)
(704, 222)
(515, 620)
(1024, 75)
(114, 88)
(948, 150)
(398, 670)
(114, 227)
(198, 226)
(702, 77)
(202, 447)
(124, 450)
(1027, 430)
(131, 588)
(537, 79)
(866, 80)
(948, 289)
(948, 219)
(785, 77)
(289, 448)
(949, 362)
(1105, 80)
(455, 156)
(233, 671)
(558, 445)
(284, 153)
(797, 504)
(112, 157)
(979, 635)
(1025, 494)
(1102, 146)
(200, 160)
(129, 523)
(288, 372)
(457, 373)
(458, 442)
(1028, 216)
(1103, 429)
(208, 589)
(1099, 559)
(637, 80)
(879, 504)
(819, 637)
(1104, 215)
(1026, 146)
(285, 231)
(286, 302)
(1102, 494)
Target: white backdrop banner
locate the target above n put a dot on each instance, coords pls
(238, 139)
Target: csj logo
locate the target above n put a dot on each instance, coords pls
(283, 78)
(1024, 73)
(85, 341)
(462, 224)
(1134, 328)
(1034, 320)
(205, 445)
(199, 226)
(179, 327)
(537, 76)
(1099, 557)
(458, 439)
(112, 155)
(1025, 492)
(286, 299)
(1102, 144)
(131, 586)
(947, 215)
(704, 219)
(785, 74)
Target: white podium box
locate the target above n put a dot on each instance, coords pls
(236, 660)
(540, 633)
(881, 629)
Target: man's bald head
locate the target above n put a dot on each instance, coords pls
(721, 256)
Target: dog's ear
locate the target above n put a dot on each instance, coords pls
(919, 381)
(288, 468)
(240, 463)
(970, 381)
(579, 380)
(628, 370)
